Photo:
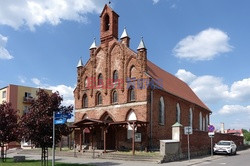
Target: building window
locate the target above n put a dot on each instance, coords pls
(206, 122)
(200, 126)
(190, 119)
(203, 124)
(114, 97)
(131, 117)
(25, 110)
(99, 98)
(178, 113)
(131, 94)
(27, 95)
(86, 82)
(100, 80)
(85, 101)
(4, 94)
(132, 72)
(115, 76)
(106, 23)
(161, 111)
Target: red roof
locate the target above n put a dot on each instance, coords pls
(174, 85)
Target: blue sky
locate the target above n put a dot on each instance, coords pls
(203, 42)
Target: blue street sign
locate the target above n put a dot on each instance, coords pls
(60, 121)
(60, 116)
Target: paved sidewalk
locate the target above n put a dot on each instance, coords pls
(105, 162)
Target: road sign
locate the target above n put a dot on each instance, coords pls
(60, 121)
(61, 116)
(211, 128)
(188, 130)
(211, 134)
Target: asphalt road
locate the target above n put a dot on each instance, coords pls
(241, 159)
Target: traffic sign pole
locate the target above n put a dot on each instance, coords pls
(211, 146)
(53, 146)
(188, 148)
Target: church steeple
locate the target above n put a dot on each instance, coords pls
(109, 24)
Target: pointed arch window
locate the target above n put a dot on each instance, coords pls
(98, 98)
(86, 82)
(85, 101)
(161, 111)
(178, 113)
(114, 97)
(190, 119)
(115, 76)
(206, 122)
(132, 72)
(131, 93)
(100, 80)
(106, 22)
(131, 116)
(200, 120)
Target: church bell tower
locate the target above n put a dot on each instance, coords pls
(109, 25)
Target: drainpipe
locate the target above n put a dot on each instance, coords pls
(151, 118)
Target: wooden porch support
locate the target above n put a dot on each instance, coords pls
(81, 130)
(104, 138)
(133, 139)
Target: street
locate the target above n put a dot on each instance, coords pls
(241, 159)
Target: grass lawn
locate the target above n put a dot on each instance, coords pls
(10, 162)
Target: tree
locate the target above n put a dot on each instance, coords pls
(246, 135)
(37, 124)
(8, 126)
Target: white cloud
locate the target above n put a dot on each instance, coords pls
(185, 76)
(4, 53)
(205, 45)
(233, 109)
(33, 13)
(36, 81)
(65, 91)
(155, 1)
(211, 89)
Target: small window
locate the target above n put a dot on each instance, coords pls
(131, 93)
(85, 101)
(178, 113)
(114, 97)
(99, 98)
(27, 94)
(100, 80)
(4, 94)
(161, 111)
(200, 120)
(86, 82)
(132, 71)
(190, 119)
(115, 76)
(106, 23)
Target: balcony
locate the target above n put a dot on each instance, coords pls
(28, 100)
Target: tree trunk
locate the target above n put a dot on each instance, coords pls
(3, 153)
(44, 156)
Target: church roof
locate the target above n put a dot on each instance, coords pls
(124, 33)
(80, 63)
(174, 85)
(141, 45)
(93, 45)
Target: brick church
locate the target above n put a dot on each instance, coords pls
(125, 101)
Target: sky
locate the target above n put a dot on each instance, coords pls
(203, 42)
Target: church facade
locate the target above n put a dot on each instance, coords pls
(124, 101)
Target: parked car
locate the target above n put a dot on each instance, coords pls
(225, 147)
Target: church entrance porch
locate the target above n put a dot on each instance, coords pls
(109, 135)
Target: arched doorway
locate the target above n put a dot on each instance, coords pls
(110, 132)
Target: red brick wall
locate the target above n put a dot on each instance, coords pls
(200, 140)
